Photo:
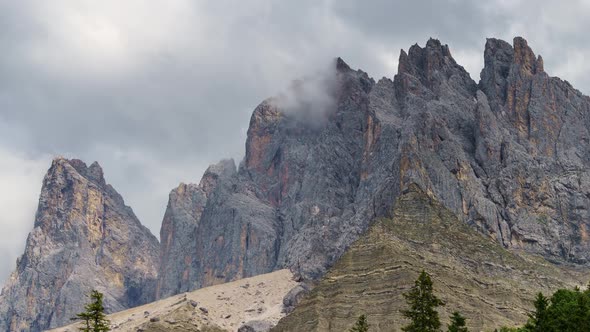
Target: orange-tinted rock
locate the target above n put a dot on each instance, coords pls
(84, 238)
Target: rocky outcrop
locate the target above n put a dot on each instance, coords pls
(294, 187)
(183, 236)
(473, 274)
(181, 220)
(532, 142)
(503, 155)
(84, 238)
(251, 303)
(256, 326)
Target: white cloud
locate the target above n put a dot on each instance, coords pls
(471, 60)
(85, 37)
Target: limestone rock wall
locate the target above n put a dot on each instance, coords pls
(84, 238)
(508, 155)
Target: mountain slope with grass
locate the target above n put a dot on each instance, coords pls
(490, 285)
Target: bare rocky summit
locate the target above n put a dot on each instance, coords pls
(84, 238)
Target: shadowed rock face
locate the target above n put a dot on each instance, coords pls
(508, 156)
(181, 221)
(84, 238)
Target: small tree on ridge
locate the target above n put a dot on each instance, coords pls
(457, 323)
(423, 303)
(361, 325)
(94, 318)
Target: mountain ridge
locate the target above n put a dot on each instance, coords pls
(335, 152)
(465, 143)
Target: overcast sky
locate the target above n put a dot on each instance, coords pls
(157, 90)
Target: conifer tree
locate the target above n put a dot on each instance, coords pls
(361, 325)
(538, 319)
(94, 317)
(457, 323)
(423, 304)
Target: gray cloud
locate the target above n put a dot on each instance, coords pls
(311, 99)
(155, 91)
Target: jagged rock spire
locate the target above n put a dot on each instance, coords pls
(84, 238)
(421, 71)
(500, 59)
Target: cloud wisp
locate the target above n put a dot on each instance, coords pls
(310, 100)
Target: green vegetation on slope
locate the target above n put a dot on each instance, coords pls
(567, 310)
(93, 318)
(361, 325)
(473, 274)
(422, 306)
(457, 323)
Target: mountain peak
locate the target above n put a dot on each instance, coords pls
(341, 65)
(525, 57)
(499, 56)
(505, 65)
(425, 60)
(422, 70)
(84, 238)
(93, 173)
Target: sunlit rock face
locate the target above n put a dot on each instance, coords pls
(84, 238)
(508, 156)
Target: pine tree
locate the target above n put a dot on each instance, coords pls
(457, 323)
(85, 317)
(538, 319)
(94, 317)
(422, 303)
(361, 325)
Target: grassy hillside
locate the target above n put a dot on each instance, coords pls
(490, 285)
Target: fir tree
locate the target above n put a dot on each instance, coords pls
(457, 323)
(422, 303)
(94, 317)
(538, 319)
(361, 325)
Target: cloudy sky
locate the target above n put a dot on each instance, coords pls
(157, 90)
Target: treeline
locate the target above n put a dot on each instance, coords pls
(565, 311)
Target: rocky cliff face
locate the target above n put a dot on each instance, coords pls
(84, 238)
(532, 145)
(294, 189)
(181, 221)
(508, 156)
